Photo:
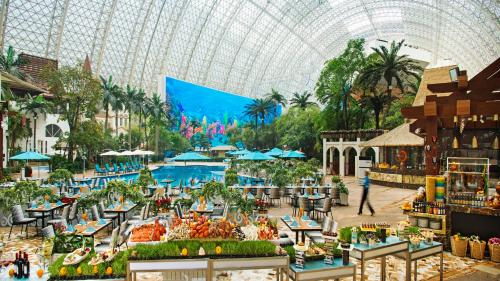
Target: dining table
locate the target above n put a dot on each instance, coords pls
(121, 209)
(89, 228)
(300, 225)
(45, 208)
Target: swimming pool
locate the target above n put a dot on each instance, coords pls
(178, 174)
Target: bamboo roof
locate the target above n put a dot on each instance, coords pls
(432, 76)
(15, 83)
(399, 136)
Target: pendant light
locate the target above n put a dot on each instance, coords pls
(455, 132)
(495, 144)
(474, 139)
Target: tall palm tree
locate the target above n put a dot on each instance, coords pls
(10, 62)
(158, 115)
(251, 110)
(277, 99)
(389, 66)
(108, 87)
(116, 102)
(129, 102)
(146, 113)
(35, 106)
(302, 100)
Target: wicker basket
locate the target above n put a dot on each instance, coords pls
(494, 252)
(477, 249)
(459, 247)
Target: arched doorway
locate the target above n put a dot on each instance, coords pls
(350, 154)
(368, 153)
(333, 162)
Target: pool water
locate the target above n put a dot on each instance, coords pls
(179, 173)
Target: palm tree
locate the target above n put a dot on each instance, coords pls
(108, 87)
(277, 99)
(252, 110)
(10, 62)
(129, 102)
(35, 106)
(302, 101)
(158, 115)
(389, 66)
(146, 113)
(116, 102)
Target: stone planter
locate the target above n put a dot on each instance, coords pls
(344, 199)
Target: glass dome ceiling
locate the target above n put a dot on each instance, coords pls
(243, 46)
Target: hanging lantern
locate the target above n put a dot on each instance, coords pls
(495, 144)
(474, 139)
(455, 132)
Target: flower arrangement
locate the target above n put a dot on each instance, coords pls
(494, 247)
(494, 241)
(162, 204)
(260, 204)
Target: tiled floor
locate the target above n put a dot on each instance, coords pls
(386, 202)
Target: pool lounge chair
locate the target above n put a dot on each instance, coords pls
(98, 170)
(139, 165)
(118, 169)
(108, 169)
(123, 168)
(130, 168)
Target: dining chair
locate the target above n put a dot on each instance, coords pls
(64, 216)
(18, 218)
(73, 212)
(113, 242)
(48, 232)
(95, 213)
(274, 194)
(325, 209)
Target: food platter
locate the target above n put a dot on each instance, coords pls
(102, 257)
(76, 256)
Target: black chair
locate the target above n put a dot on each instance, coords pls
(18, 218)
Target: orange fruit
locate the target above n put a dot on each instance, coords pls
(63, 271)
(39, 273)
(184, 252)
(109, 270)
(11, 272)
(95, 270)
(79, 270)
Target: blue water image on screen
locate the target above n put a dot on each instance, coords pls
(202, 110)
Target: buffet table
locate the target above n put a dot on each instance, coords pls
(397, 177)
(206, 267)
(423, 251)
(319, 270)
(364, 252)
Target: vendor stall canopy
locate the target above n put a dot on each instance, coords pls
(245, 47)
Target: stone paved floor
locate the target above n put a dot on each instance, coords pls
(386, 202)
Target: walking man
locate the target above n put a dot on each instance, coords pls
(364, 197)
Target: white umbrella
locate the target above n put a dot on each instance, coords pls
(148, 152)
(110, 153)
(138, 152)
(126, 153)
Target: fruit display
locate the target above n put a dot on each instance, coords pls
(199, 229)
(268, 228)
(76, 256)
(148, 232)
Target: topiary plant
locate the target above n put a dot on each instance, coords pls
(60, 175)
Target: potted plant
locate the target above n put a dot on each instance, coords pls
(343, 193)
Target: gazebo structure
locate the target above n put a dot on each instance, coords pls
(342, 150)
(221, 150)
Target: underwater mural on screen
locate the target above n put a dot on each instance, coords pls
(204, 112)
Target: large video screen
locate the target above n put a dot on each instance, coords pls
(202, 110)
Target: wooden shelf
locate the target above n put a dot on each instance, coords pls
(464, 172)
(436, 231)
(425, 215)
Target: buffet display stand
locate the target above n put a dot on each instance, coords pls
(204, 269)
(365, 252)
(424, 250)
(319, 270)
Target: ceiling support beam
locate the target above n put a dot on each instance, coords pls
(60, 29)
(104, 38)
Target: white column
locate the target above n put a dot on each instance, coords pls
(377, 154)
(341, 159)
(356, 166)
(324, 157)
